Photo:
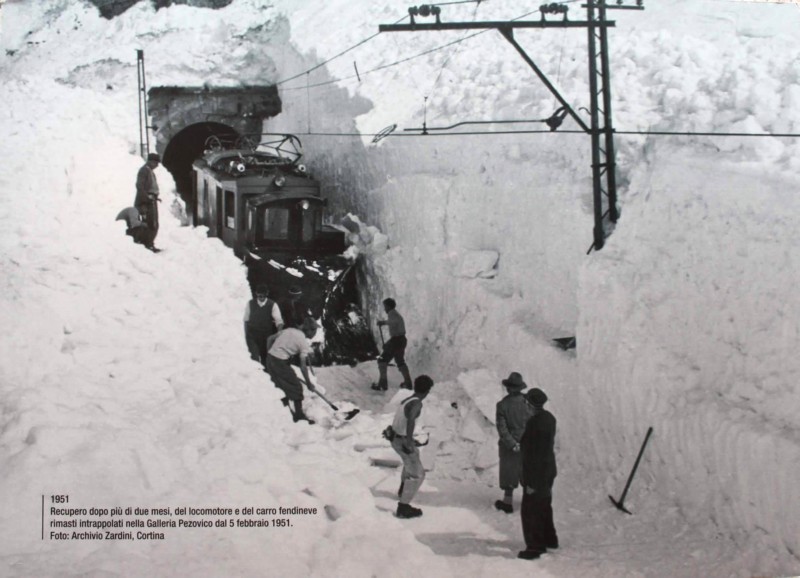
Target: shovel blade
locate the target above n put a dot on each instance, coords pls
(351, 414)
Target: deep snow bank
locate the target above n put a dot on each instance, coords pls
(687, 322)
(702, 326)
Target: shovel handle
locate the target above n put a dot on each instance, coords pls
(326, 400)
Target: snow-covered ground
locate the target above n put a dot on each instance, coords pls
(125, 382)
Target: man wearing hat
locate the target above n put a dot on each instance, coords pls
(511, 416)
(294, 311)
(147, 197)
(538, 474)
(262, 318)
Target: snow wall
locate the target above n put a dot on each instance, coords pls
(685, 321)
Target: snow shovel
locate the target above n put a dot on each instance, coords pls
(347, 416)
(621, 504)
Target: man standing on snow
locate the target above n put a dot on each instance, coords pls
(512, 413)
(262, 318)
(294, 311)
(405, 420)
(147, 198)
(395, 348)
(288, 343)
(538, 474)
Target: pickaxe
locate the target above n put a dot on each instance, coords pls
(621, 504)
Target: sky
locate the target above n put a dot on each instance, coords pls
(125, 381)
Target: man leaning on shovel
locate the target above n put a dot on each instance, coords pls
(395, 348)
(289, 342)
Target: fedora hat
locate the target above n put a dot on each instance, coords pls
(514, 382)
(536, 397)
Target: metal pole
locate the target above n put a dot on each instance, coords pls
(146, 112)
(139, 60)
(597, 193)
(611, 166)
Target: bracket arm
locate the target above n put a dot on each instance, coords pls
(508, 34)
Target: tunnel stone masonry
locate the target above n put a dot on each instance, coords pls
(173, 108)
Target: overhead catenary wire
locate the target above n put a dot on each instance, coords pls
(419, 134)
(334, 57)
(391, 64)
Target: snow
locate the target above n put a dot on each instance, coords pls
(125, 381)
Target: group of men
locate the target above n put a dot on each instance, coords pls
(527, 457)
(276, 335)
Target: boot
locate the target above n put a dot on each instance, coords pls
(407, 383)
(504, 507)
(298, 414)
(407, 511)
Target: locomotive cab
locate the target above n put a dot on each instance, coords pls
(290, 222)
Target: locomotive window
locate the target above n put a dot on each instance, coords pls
(230, 210)
(312, 221)
(276, 224)
(202, 205)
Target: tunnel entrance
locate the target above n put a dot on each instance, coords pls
(183, 117)
(188, 145)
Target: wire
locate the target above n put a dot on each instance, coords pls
(383, 66)
(402, 60)
(505, 132)
(342, 53)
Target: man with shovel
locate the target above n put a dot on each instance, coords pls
(289, 342)
(395, 348)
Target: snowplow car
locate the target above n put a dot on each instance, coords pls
(261, 201)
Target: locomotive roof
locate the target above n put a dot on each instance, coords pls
(260, 157)
(287, 195)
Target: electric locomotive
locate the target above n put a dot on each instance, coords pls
(256, 196)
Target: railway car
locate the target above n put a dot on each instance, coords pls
(256, 196)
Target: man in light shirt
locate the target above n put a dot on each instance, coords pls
(403, 425)
(286, 344)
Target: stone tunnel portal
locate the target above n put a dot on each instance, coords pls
(188, 145)
(184, 117)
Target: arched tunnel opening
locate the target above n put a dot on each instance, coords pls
(187, 146)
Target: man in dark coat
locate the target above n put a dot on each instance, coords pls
(262, 318)
(538, 474)
(512, 413)
(294, 310)
(146, 201)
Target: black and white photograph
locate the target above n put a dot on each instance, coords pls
(375, 289)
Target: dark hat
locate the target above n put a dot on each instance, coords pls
(262, 290)
(536, 397)
(153, 157)
(295, 290)
(514, 382)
